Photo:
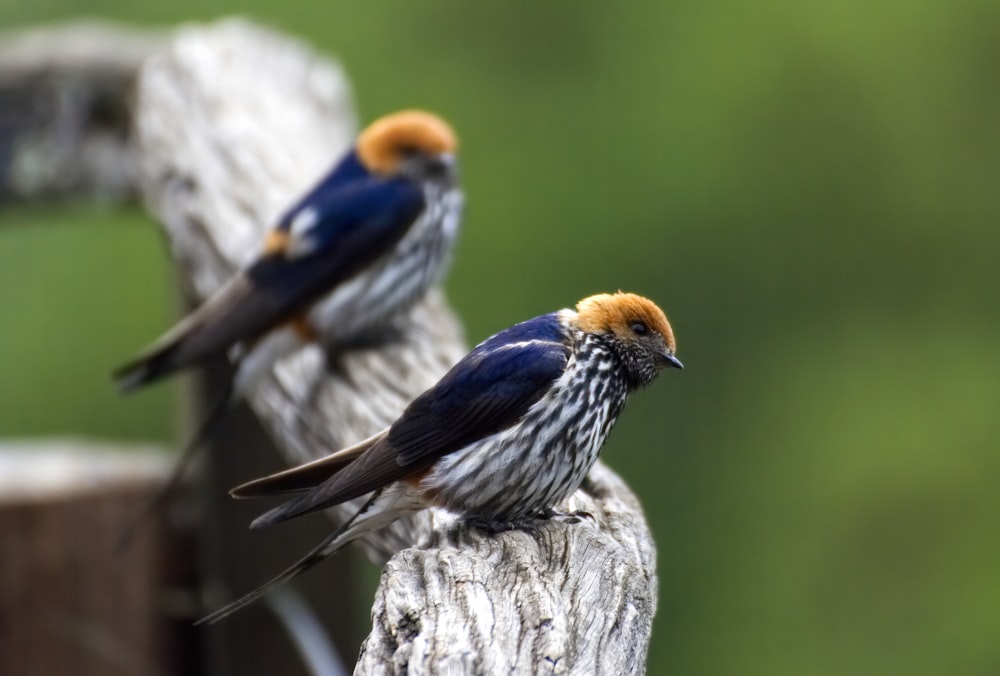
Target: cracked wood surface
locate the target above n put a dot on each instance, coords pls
(232, 122)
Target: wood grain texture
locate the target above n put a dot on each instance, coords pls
(232, 122)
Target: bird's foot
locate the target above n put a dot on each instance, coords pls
(531, 524)
(493, 527)
(374, 339)
(565, 517)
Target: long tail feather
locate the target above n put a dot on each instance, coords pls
(326, 548)
(382, 508)
(156, 502)
(329, 546)
(305, 477)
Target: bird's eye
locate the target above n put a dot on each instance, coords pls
(639, 328)
(436, 167)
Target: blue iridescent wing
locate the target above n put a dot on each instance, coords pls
(345, 172)
(351, 227)
(356, 225)
(486, 392)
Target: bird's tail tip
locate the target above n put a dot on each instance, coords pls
(155, 363)
(131, 376)
(268, 518)
(302, 565)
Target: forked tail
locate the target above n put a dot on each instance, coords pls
(382, 508)
(346, 533)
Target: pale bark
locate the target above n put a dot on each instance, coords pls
(233, 121)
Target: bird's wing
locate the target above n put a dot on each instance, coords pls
(305, 477)
(334, 212)
(485, 393)
(192, 339)
(353, 227)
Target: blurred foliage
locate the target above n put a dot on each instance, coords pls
(811, 192)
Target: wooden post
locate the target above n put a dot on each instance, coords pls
(68, 603)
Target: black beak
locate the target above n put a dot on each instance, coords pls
(672, 361)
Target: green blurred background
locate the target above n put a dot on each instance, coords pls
(810, 189)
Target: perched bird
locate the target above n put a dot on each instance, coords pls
(361, 247)
(506, 435)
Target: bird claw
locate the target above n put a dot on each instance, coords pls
(494, 527)
(568, 517)
(531, 524)
(370, 340)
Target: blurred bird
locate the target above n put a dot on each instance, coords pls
(358, 249)
(506, 435)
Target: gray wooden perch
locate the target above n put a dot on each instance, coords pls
(232, 122)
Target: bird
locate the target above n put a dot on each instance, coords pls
(343, 262)
(501, 439)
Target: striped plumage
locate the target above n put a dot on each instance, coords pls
(505, 436)
(365, 304)
(353, 254)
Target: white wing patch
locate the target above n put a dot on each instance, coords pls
(301, 244)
